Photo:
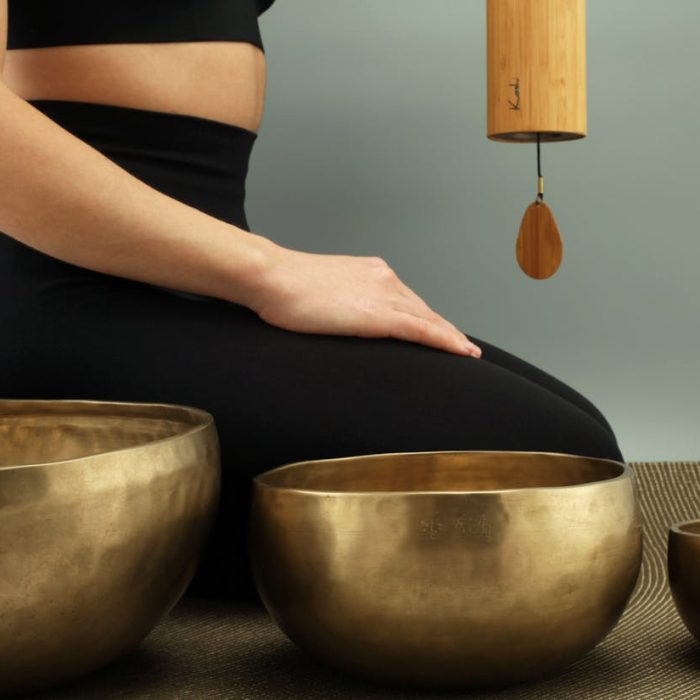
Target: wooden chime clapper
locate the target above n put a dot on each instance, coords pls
(536, 83)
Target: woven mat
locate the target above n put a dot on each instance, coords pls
(216, 649)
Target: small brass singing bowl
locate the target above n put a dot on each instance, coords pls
(104, 511)
(457, 569)
(684, 572)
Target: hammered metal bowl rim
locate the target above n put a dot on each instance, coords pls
(259, 479)
(676, 527)
(205, 419)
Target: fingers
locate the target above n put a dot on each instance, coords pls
(452, 328)
(422, 330)
(416, 321)
(424, 310)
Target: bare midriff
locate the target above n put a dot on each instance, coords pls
(220, 80)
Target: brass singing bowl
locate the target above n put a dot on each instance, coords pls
(104, 510)
(684, 572)
(447, 569)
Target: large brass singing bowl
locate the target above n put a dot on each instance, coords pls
(447, 569)
(104, 510)
(683, 560)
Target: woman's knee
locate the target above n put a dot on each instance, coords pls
(580, 434)
(604, 444)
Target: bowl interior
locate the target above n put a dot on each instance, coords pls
(442, 471)
(42, 431)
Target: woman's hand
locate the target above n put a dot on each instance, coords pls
(348, 295)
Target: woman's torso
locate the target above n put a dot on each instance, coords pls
(221, 80)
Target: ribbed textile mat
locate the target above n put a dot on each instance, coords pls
(210, 649)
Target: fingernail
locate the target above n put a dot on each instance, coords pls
(469, 347)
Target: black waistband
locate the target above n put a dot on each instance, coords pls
(201, 162)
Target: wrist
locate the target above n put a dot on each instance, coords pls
(253, 277)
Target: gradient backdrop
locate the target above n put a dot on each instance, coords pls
(374, 142)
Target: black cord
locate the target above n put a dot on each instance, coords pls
(540, 195)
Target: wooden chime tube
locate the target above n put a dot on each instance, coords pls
(536, 70)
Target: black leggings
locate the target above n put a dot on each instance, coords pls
(277, 396)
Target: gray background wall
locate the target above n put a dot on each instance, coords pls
(374, 142)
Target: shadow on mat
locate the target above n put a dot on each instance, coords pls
(143, 671)
(282, 671)
(289, 669)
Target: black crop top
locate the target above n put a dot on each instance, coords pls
(35, 23)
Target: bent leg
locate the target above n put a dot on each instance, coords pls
(525, 369)
(279, 396)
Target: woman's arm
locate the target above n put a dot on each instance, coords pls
(66, 199)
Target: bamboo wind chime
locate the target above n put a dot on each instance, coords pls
(536, 84)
